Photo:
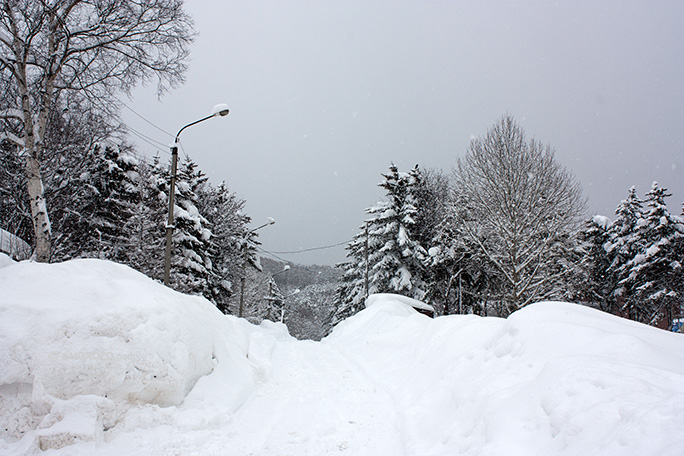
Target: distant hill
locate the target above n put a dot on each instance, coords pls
(300, 276)
(309, 296)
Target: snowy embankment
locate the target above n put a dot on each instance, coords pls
(98, 359)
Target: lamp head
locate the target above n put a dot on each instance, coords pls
(220, 109)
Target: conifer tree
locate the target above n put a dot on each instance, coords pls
(386, 256)
(623, 245)
(351, 293)
(655, 270)
(595, 284)
(224, 211)
(395, 256)
(96, 205)
(146, 226)
(190, 258)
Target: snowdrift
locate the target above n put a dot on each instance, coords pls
(553, 378)
(83, 341)
(96, 358)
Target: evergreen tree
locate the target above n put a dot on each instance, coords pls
(386, 255)
(146, 227)
(622, 246)
(595, 284)
(352, 292)
(96, 205)
(395, 256)
(224, 211)
(655, 270)
(190, 258)
(274, 302)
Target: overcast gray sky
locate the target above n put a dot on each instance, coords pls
(325, 94)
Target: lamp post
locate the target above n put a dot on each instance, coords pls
(270, 221)
(220, 110)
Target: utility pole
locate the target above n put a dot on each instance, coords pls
(242, 280)
(366, 255)
(169, 224)
(245, 260)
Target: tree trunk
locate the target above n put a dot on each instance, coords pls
(34, 179)
(39, 215)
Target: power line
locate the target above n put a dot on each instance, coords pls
(311, 249)
(273, 255)
(147, 139)
(148, 121)
(308, 268)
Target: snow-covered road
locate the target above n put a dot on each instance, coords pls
(313, 401)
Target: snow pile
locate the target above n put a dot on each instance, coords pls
(84, 341)
(98, 359)
(5, 260)
(384, 297)
(553, 378)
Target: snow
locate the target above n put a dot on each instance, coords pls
(5, 260)
(394, 298)
(98, 359)
(434, 251)
(219, 109)
(602, 221)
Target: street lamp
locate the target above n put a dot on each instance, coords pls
(285, 269)
(220, 110)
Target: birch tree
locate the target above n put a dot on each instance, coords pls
(96, 48)
(520, 203)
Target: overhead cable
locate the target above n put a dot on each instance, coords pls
(311, 249)
(148, 121)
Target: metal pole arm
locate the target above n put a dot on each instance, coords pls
(191, 124)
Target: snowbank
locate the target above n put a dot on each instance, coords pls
(5, 260)
(83, 341)
(97, 359)
(553, 378)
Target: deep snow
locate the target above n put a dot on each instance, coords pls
(96, 358)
